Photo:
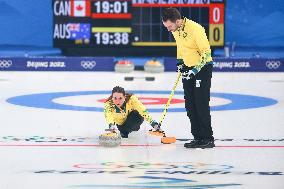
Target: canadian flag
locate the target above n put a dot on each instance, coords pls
(80, 8)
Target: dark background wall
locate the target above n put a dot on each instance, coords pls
(248, 22)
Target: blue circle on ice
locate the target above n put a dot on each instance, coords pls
(46, 101)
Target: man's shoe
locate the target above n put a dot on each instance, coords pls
(124, 135)
(191, 144)
(136, 128)
(205, 143)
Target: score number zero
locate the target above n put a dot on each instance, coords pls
(216, 26)
(216, 19)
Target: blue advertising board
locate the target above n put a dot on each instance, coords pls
(57, 64)
(238, 64)
(107, 64)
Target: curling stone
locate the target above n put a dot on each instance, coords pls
(110, 139)
(124, 66)
(154, 66)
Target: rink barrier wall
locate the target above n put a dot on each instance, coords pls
(57, 64)
(108, 63)
(238, 64)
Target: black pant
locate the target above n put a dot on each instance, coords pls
(132, 122)
(197, 97)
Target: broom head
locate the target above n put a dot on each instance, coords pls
(157, 133)
(168, 140)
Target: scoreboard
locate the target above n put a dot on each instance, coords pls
(131, 27)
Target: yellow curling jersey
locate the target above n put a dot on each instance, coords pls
(115, 115)
(192, 44)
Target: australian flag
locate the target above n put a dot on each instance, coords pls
(80, 31)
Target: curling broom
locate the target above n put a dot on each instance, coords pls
(165, 139)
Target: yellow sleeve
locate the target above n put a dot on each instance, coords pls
(108, 112)
(203, 48)
(141, 109)
(201, 40)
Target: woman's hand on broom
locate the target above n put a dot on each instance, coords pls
(112, 128)
(156, 126)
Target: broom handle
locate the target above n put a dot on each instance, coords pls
(170, 98)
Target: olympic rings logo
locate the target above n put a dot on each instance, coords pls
(5, 63)
(273, 64)
(88, 64)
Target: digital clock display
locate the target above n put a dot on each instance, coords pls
(116, 7)
(107, 38)
(129, 26)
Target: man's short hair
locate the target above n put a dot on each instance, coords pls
(171, 14)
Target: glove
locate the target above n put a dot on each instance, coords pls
(188, 75)
(180, 65)
(156, 126)
(112, 127)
